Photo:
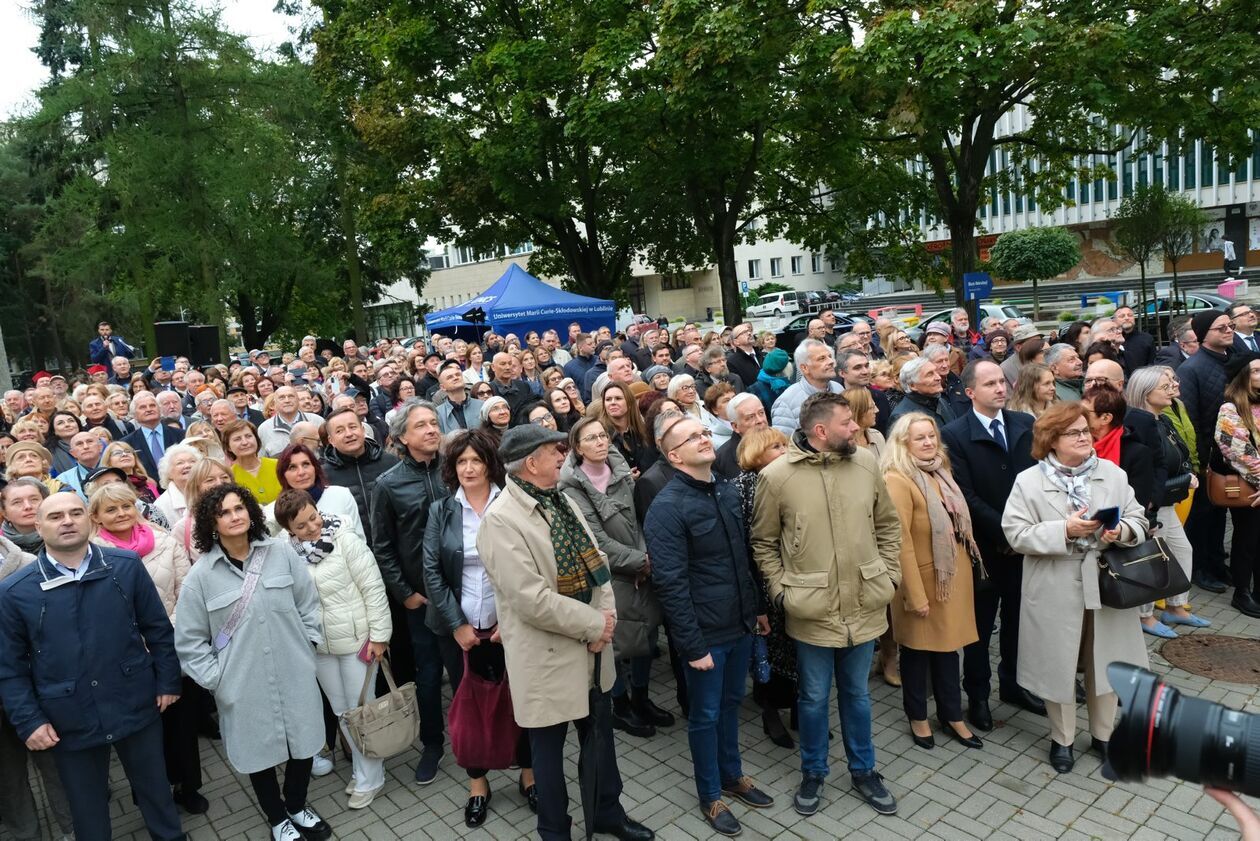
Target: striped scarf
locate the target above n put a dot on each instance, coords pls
(579, 566)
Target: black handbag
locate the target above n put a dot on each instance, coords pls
(1131, 576)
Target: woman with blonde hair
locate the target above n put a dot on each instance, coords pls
(122, 455)
(205, 475)
(117, 523)
(201, 434)
(1035, 390)
(933, 613)
(757, 448)
(29, 428)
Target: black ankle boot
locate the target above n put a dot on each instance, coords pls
(648, 712)
(625, 719)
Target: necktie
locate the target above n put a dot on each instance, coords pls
(457, 412)
(1251, 343)
(155, 444)
(996, 429)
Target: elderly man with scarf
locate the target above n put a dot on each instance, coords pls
(556, 614)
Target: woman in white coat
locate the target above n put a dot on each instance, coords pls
(177, 462)
(246, 628)
(1062, 622)
(355, 611)
(298, 468)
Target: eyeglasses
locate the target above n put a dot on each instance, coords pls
(687, 387)
(1077, 434)
(1100, 381)
(693, 438)
(593, 439)
(1222, 329)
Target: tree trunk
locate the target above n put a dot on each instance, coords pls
(732, 301)
(963, 257)
(349, 233)
(54, 327)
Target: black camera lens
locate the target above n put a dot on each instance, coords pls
(1162, 732)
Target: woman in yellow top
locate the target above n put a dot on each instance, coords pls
(241, 445)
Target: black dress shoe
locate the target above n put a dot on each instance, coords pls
(1100, 747)
(772, 726)
(979, 716)
(648, 712)
(625, 719)
(972, 741)
(1245, 604)
(530, 794)
(1209, 583)
(926, 742)
(1061, 757)
(476, 810)
(191, 802)
(627, 830)
(1021, 697)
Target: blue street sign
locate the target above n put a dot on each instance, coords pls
(743, 286)
(977, 285)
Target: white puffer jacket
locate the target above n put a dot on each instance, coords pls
(351, 595)
(167, 565)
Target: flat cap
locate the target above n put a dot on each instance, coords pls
(520, 441)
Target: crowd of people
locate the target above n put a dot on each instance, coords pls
(226, 552)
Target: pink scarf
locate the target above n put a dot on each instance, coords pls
(599, 474)
(141, 540)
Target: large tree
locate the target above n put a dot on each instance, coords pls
(498, 126)
(1034, 254)
(935, 83)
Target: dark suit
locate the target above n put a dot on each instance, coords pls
(1170, 355)
(745, 365)
(1139, 351)
(139, 441)
(99, 354)
(253, 416)
(985, 474)
(1241, 345)
(726, 463)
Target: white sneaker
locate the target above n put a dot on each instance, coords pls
(352, 785)
(363, 799)
(321, 766)
(285, 831)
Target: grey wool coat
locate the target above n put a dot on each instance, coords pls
(264, 680)
(612, 520)
(1061, 583)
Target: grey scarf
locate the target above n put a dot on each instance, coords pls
(26, 542)
(1073, 481)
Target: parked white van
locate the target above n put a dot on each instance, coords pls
(776, 304)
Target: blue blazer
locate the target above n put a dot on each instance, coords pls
(139, 441)
(985, 473)
(98, 354)
(88, 657)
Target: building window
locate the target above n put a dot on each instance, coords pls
(776, 267)
(674, 282)
(524, 248)
(815, 263)
(638, 300)
(798, 265)
(464, 254)
(1205, 166)
(834, 262)
(754, 269)
(436, 261)
(1190, 167)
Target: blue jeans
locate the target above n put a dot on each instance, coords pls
(428, 657)
(815, 666)
(713, 726)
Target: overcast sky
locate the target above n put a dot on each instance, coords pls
(21, 73)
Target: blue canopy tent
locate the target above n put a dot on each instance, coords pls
(519, 302)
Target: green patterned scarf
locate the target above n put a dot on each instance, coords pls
(579, 566)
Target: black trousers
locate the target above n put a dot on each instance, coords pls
(179, 737)
(1205, 529)
(487, 660)
(297, 776)
(547, 743)
(85, 775)
(941, 668)
(1243, 567)
(998, 595)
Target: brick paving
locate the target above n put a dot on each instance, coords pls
(1005, 791)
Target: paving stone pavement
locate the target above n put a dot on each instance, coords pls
(1005, 791)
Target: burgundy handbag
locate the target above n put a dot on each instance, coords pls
(482, 725)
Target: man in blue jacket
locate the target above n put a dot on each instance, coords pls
(696, 538)
(103, 349)
(87, 660)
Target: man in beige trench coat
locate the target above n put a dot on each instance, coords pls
(556, 611)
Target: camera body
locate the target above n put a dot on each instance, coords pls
(1162, 732)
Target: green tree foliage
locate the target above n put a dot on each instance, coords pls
(179, 176)
(1141, 223)
(1035, 254)
(933, 84)
(498, 125)
(1182, 222)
